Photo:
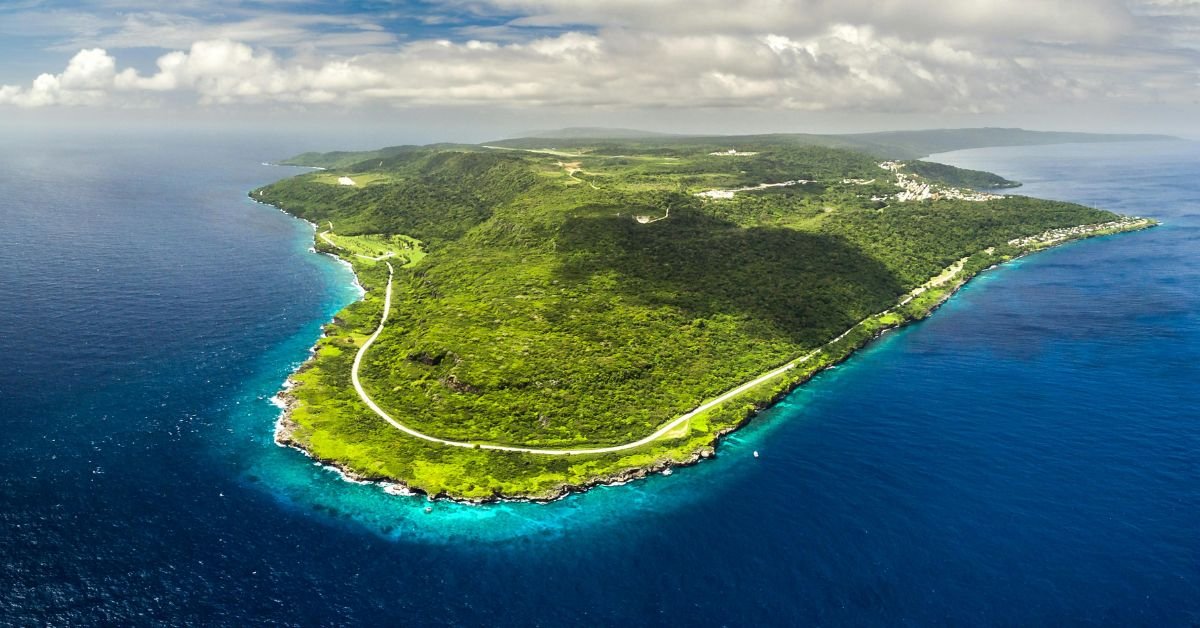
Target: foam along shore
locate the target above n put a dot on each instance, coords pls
(913, 306)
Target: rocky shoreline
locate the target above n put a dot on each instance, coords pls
(284, 431)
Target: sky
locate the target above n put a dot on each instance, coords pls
(465, 70)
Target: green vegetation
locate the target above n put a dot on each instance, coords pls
(578, 301)
(401, 250)
(958, 177)
(359, 180)
(342, 159)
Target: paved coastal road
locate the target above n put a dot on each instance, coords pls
(949, 274)
(680, 420)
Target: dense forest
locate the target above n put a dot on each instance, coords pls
(958, 177)
(584, 295)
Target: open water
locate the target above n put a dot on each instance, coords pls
(1030, 455)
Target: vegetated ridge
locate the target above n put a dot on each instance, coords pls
(885, 145)
(549, 301)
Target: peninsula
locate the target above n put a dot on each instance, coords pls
(549, 313)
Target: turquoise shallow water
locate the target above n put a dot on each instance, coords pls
(1026, 456)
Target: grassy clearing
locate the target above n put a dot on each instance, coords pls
(360, 179)
(370, 245)
(401, 249)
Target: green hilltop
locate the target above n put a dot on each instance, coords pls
(586, 294)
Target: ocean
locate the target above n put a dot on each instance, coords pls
(1029, 455)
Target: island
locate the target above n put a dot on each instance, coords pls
(545, 314)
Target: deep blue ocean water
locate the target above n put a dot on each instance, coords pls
(1030, 455)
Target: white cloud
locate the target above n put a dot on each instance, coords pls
(224, 71)
(89, 70)
(176, 24)
(172, 30)
(86, 81)
(1059, 19)
(844, 55)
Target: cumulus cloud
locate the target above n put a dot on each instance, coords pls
(844, 67)
(86, 81)
(1061, 19)
(224, 71)
(220, 71)
(846, 55)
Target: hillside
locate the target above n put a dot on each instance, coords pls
(556, 299)
(958, 177)
(885, 145)
(598, 132)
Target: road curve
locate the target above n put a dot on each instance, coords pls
(674, 423)
(951, 272)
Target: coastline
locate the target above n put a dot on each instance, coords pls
(313, 249)
(285, 428)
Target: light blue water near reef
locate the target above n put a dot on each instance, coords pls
(1030, 455)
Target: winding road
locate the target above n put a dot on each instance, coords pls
(949, 274)
(659, 433)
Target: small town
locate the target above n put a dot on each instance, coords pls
(1058, 235)
(915, 189)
